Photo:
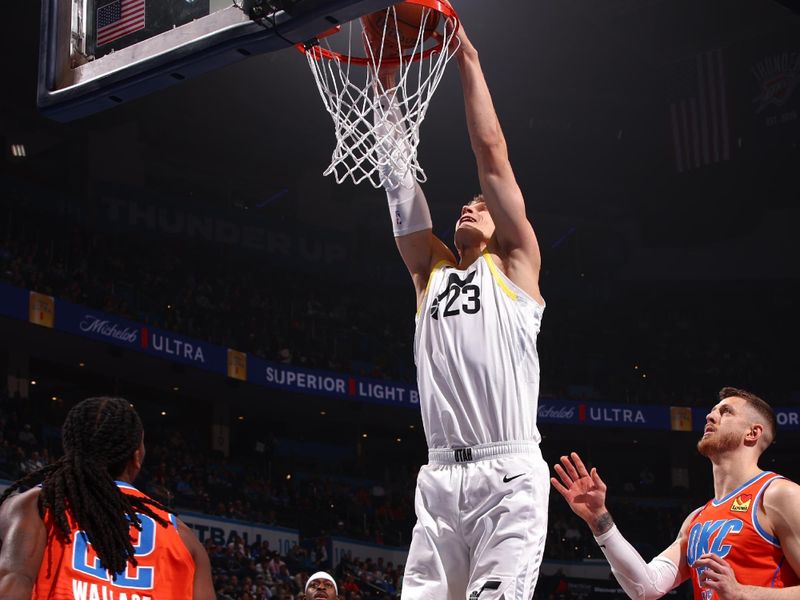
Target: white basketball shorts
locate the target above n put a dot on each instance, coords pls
(481, 524)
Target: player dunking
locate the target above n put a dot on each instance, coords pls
(742, 544)
(64, 540)
(481, 501)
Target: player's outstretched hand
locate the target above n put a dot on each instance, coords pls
(585, 492)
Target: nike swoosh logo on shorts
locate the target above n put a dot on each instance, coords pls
(506, 478)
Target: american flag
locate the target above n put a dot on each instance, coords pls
(119, 18)
(699, 121)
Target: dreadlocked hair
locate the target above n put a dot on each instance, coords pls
(99, 437)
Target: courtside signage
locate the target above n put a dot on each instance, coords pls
(14, 302)
(184, 350)
(228, 531)
(329, 383)
(568, 412)
(97, 325)
(118, 331)
(788, 418)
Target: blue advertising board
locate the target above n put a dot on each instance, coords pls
(188, 351)
(13, 302)
(330, 383)
(122, 332)
(97, 325)
(788, 417)
(570, 412)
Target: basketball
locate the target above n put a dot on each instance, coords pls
(404, 23)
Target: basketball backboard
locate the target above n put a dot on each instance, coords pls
(96, 54)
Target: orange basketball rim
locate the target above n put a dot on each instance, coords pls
(440, 6)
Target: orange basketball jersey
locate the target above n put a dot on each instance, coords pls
(730, 529)
(71, 570)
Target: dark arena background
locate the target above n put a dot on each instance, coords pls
(184, 251)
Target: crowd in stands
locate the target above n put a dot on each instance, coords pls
(619, 342)
(178, 474)
(290, 319)
(274, 314)
(257, 572)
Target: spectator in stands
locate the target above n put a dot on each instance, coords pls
(321, 586)
(349, 586)
(26, 437)
(320, 554)
(32, 463)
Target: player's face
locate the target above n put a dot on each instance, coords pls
(726, 426)
(321, 589)
(474, 223)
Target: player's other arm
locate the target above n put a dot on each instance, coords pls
(408, 207)
(23, 538)
(203, 585)
(514, 233)
(420, 251)
(780, 503)
(585, 492)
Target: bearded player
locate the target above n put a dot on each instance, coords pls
(742, 544)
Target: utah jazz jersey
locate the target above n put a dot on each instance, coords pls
(730, 529)
(477, 364)
(71, 570)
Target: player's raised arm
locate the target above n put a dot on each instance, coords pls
(408, 207)
(585, 492)
(514, 233)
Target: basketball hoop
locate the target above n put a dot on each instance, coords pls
(357, 99)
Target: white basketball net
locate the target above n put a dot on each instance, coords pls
(357, 100)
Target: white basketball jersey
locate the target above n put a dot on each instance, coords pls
(477, 364)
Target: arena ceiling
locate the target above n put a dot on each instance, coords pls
(596, 100)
